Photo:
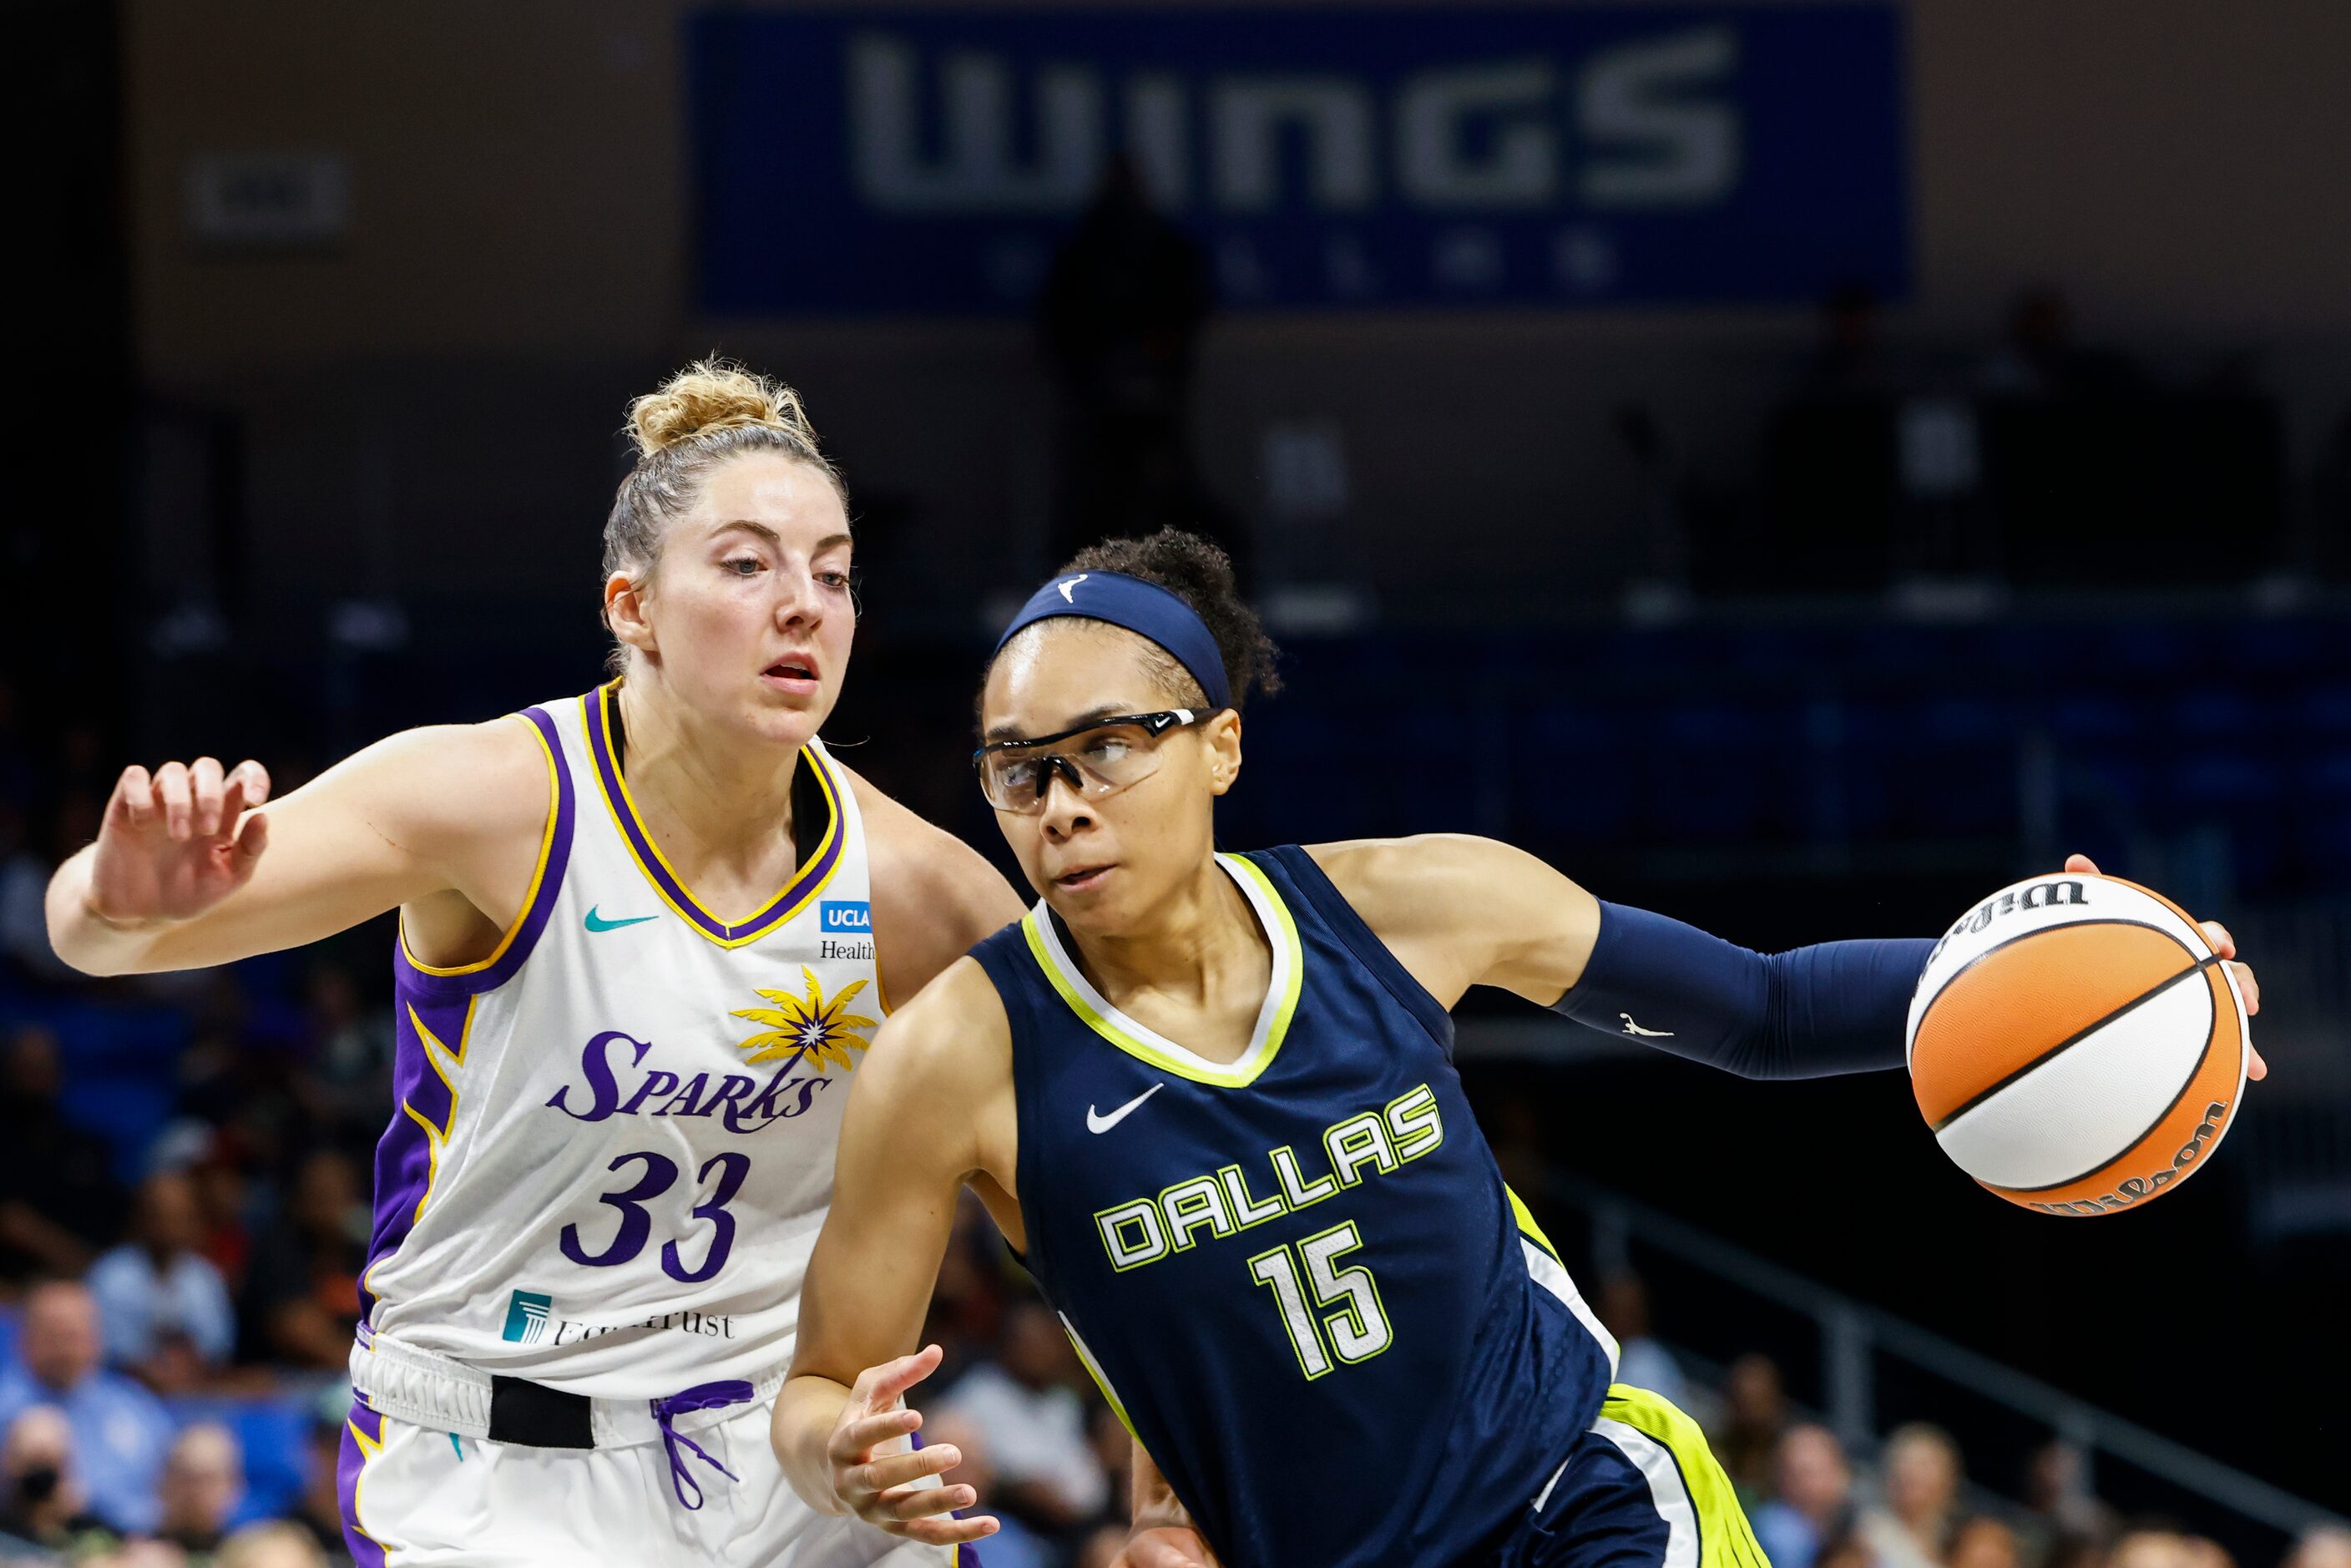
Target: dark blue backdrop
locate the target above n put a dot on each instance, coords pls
(926, 162)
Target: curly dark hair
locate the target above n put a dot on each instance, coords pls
(1200, 574)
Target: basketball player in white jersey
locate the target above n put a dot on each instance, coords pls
(644, 938)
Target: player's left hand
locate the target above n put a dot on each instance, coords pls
(892, 1487)
(1165, 1547)
(2224, 945)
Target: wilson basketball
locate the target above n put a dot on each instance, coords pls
(2076, 1045)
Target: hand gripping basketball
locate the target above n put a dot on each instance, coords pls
(881, 1476)
(177, 841)
(2079, 1044)
(2226, 946)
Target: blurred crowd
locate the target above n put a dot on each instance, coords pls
(183, 1218)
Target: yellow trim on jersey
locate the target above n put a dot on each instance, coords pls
(834, 827)
(1725, 1539)
(530, 894)
(1094, 1371)
(431, 1040)
(1290, 954)
(1527, 1225)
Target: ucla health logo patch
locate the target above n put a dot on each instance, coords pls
(527, 1315)
(845, 917)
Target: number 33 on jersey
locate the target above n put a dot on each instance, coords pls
(601, 1123)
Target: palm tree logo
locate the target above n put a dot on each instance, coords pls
(806, 1025)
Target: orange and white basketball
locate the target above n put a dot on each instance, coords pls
(2076, 1045)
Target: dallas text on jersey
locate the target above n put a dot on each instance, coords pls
(1149, 1228)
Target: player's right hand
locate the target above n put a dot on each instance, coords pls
(881, 1478)
(176, 841)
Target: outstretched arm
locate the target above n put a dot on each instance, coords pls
(1462, 911)
(196, 865)
(925, 1103)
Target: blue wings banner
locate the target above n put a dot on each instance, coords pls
(927, 163)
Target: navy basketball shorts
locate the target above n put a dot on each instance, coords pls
(1639, 1490)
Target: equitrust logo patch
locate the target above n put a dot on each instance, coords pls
(527, 1315)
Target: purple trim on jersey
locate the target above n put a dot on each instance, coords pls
(534, 918)
(599, 746)
(349, 1458)
(443, 1003)
(403, 1157)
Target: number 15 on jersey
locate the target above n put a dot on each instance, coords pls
(1346, 1316)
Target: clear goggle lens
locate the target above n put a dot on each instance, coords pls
(1100, 759)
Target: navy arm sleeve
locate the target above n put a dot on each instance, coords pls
(1839, 1007)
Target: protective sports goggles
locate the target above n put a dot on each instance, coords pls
(1099, 759)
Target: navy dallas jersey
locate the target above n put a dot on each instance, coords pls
(1298, 1277)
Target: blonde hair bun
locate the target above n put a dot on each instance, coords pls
(711, 395)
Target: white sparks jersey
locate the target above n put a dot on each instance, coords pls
(614, 1139)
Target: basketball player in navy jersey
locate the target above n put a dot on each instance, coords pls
(1210, 1099)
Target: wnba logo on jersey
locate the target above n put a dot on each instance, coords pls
(527, 1315)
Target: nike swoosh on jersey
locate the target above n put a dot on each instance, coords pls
(596, 922)
(1097, 1123)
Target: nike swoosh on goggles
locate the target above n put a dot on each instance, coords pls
(1098, 758)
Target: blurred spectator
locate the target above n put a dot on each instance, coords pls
(221, 1196)
(1015, 1545)
(1848, 1551)
(1034, 1423)
(120, 1430)
(1983, 1542)
(143, 1554)
(1921, 1482)
(1847, 362)
(58, 1200)
(44, 1505)
(1114, 1452)
(25, 884)
(2325, 1546)
(1755, 1412)
(2150, 1546)
(966, 1305)
(1641, 1361)
(2041, 358)
(318, 1512)
(204, 1478)
(157, 1294)
(2205, 1552)
(1100, 1548)
(304, 1294)
(1814, 1497)
(2058, 1504)
(351, 1057)
(1120, 320)
(272, 1545)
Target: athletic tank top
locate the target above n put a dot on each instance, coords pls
(613, 1144)
(1298, 1277)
